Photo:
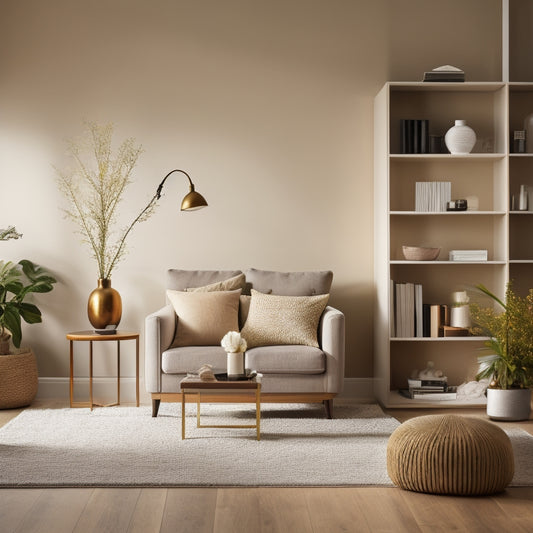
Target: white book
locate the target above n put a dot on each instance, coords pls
(392, 309)
(435, 396)
(398, 313)
(410, 310)
(419, 318)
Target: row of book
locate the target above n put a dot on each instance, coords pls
(429, 389)
(411, 317)
(432, 196)
(414, 136)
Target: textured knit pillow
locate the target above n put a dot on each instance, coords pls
(236, 282)
(275, 319)
(204, 317)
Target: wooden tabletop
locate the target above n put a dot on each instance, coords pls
(197, 383)
(90, 335)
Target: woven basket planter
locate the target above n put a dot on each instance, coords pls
(18, 380)
(450, 454)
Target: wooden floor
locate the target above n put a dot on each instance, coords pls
(250, 510)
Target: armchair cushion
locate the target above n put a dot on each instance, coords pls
(286, 360)
(236, 282)
(204, 317)
(190, 358)
(274, 319)
(289, 283)
(181, 280)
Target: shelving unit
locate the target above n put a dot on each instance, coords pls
(491, 173)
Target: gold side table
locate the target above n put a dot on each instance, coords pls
(90, 337)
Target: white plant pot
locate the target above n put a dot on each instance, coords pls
(235, 363)
(460, 139)
(508, 404)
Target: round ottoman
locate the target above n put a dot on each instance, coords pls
(450, 454)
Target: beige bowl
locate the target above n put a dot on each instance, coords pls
(418, 253)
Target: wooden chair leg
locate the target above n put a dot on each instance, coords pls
(155, 407)
(328, 404)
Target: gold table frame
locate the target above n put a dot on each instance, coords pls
(193, 386)
(91, 336)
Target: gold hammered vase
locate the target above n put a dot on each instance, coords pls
(104, 307)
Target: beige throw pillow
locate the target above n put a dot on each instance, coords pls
(236, 282)
(275, 319)
(204, 317)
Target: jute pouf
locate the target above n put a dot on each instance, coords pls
(450, 454)
(18, 380)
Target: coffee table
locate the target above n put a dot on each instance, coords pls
(234, 391)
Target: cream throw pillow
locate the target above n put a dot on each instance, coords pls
(204, 317)
(236, 282)
(275, 319)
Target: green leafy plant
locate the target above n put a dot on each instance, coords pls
(17, 281)
(94, 189)
(510, 365)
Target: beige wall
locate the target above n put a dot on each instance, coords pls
(268, 105)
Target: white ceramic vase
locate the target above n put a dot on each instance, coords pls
(235, 364)
(460, 139)
(508, 404)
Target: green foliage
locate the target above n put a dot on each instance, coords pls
(94, 189)
(510, 363)
(16, 282)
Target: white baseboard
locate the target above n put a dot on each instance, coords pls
(360, 389)
(104, 389)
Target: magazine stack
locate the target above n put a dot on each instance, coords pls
(430, 389)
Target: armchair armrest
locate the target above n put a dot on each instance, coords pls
(331, 331)
(159, 332)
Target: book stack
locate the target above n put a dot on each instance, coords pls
(414, 136)
(445, 73)
(410, 317)
(432, 196)
(468, 255)
(408, 310)
(430, 389)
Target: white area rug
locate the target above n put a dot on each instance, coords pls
(125, 446)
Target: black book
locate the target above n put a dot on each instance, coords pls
(407, 136)
(424, 136)
(416, 137)
(426, 313)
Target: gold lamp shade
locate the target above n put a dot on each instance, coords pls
(193, 200)
(104, 307)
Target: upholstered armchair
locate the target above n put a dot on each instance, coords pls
(296, 340)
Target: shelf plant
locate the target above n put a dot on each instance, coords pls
(510, 363)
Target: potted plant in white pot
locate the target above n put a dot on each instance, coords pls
(18, 368)
(509, 366)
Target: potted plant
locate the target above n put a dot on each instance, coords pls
(509, 366)
(94, 188)
(16, 282)
(18, 370)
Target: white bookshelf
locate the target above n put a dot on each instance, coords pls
(492, 173)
